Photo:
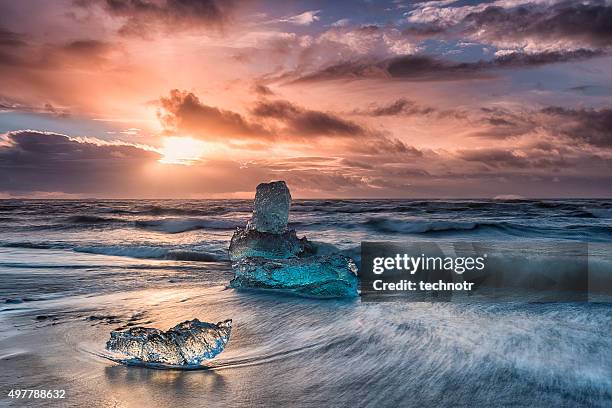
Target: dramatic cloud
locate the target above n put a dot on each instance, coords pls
(8, 105)
(305, 122)
(10, 39)
(182, 111)
(530, 25)
(42, 161)
(400, 106)
(582, 24)
(584, 125)
(40, 57)
(497, 158)
(459, 98)
(429, 68)
(140, 17)
(262, 90)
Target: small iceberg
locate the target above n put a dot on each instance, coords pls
(326, 276)
(266, 254)
(189, 343)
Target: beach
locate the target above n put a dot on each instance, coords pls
(72, 271)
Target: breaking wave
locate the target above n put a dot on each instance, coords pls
(177, 225)
(148, 252)
(90, 219)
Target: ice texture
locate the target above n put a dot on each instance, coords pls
(251, 243)
(271, 208)
(324, 276)
(267, 255)
(188, 343)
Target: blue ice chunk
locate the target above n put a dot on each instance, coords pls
(188, 343)
(324, 276)
(271, 208)
(251, 243)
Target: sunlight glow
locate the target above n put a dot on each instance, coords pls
(181, 150)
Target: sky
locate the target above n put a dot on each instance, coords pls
(341, 99)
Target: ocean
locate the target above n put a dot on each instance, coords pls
(73, 270)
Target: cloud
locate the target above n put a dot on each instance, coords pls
(343, 22)
(182, 111)
(11, 39)
(303, 19)
(582, 24)
(401, 106)
(82, 53)
(523, 59)
(262, 90)
(533, 26)
(590, 126)
(430, 68)
(296, 123)
(494, 157)
(38, 163)
(408, 67)
(42, 161)
(570, 126)
(141, 17)
(306, 122)
(10, 105)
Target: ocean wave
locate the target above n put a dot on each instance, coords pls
(157, 210)
(27, 245)
(178, 225)
(138, 251)
(90, 219)
(600, 212)
(423, 227)
(147, 252)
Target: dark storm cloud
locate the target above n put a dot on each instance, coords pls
(521, 59)
(590, 126)
(494, 157)
(143, 16)
(10, 105)
(569, 126)
(302, 123)
(429, 68)
(262, 90)
(586, 22)
(400, 106)
(11, 39)
(408, 67)
(306, 122)
(47, 57)
(40, 161)
(87, 48)
(183, 111)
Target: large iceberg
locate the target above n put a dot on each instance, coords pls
(271, 207)
(318, 276)
(250, 243)
(265, 254)
(188, 343)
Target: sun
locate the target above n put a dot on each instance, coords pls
(181, 150)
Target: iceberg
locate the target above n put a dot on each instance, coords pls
(265, 254)
(188, 343)
(251, 243)
(271, 208)
(325, 276)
